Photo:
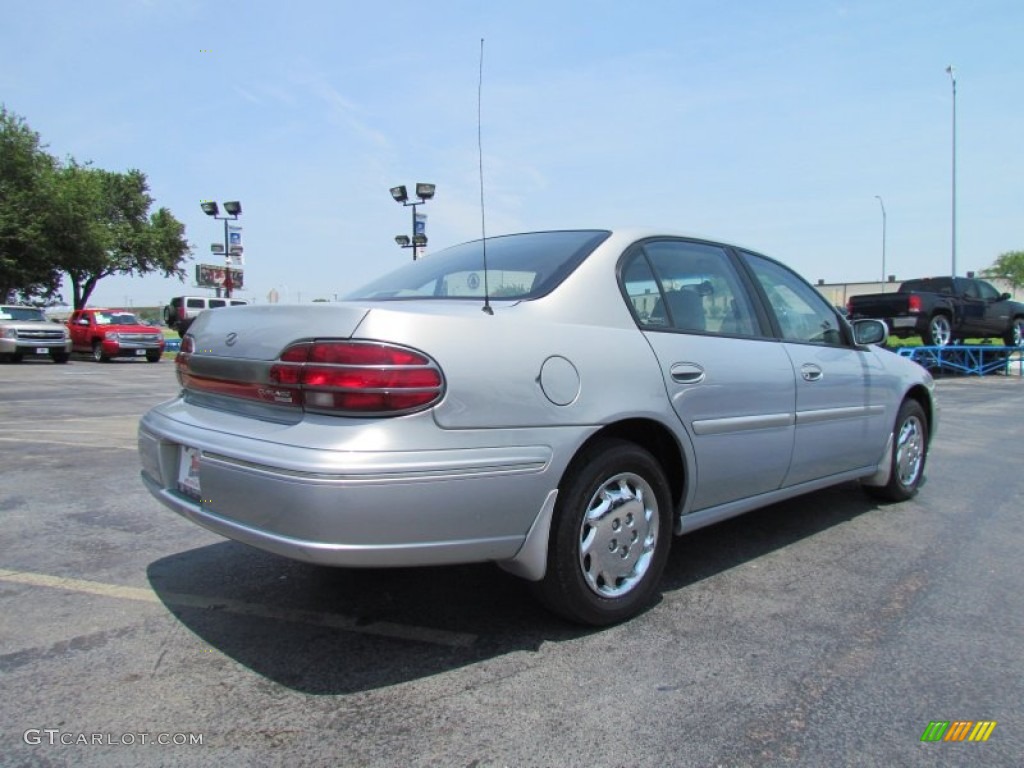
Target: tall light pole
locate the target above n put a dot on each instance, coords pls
(952, 79)
(881, 203)
(424, 192)
(233, 210)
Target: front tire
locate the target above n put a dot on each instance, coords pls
(59, 357)
(98, 355)
(939, 332)
(1015, 335)
(153, 356)
(909, 452)
(610, 535)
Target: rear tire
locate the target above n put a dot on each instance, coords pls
(610, 535)
(939, 332)
(909, 452)
(1015, 335)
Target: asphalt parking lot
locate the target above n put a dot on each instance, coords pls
(823, 631)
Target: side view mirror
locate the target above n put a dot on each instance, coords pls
(869, 331)
(1005, 297)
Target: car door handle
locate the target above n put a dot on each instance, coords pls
(686, 373)
(811, 372)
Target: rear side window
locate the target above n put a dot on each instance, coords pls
(686, 286)
(214, 303)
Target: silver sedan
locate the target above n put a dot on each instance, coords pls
(560, 403)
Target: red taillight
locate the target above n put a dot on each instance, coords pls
(359, 377)
(342, 377)
(913, 303)
(188, 346)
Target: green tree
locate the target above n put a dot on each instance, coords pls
(28, 269)
(1010, 267)
(102, 227)
(66, 217)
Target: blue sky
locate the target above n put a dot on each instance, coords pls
(773, 125)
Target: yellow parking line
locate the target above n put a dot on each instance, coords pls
(333, 620)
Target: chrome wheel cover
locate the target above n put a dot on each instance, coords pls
(909, 451)
(1018, 333)
(941, 330)
(618, 535)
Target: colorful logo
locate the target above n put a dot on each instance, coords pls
(958, 730)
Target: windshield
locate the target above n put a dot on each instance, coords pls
(21, 313)
(116, 318)
(518, 267)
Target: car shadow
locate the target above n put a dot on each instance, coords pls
(331, 631)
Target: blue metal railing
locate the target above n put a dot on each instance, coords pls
(972, 360)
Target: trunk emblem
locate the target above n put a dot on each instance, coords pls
(231, 339)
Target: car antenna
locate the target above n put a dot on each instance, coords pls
(480, 156)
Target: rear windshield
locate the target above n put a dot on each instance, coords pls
(518, 267)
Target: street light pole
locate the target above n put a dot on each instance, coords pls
(952, 78)
(881, 203)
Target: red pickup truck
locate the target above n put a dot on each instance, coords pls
(107, 333)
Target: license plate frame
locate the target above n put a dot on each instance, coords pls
(188, 471)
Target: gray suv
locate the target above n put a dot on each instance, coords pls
(182, 310)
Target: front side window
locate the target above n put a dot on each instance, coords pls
(802, 313)
(524, 266)
(987, 291)
(686, 286)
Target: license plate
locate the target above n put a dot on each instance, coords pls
(42, 351)
(188, 471)
(140, 352)
(904, 322)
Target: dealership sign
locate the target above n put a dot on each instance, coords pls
(209, 276)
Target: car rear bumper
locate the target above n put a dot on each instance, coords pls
(385, 508)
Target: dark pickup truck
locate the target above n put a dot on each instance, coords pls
(943, 310)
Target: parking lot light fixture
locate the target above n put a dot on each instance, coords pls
(424, 192)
